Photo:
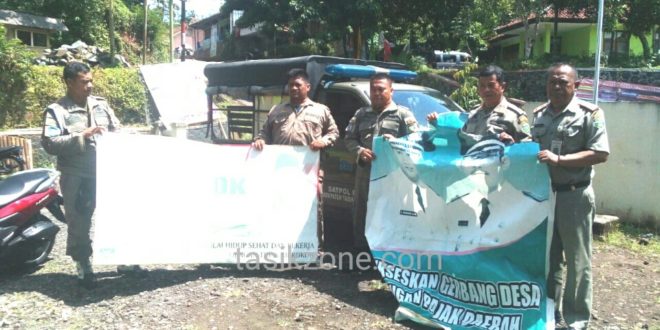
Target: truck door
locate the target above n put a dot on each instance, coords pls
(339, 171)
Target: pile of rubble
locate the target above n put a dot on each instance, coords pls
(79, 51)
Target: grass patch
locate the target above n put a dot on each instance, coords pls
(633, 237)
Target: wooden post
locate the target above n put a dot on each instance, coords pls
(25, 143)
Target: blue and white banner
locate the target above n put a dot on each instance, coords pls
(164, 200)
(462, 239)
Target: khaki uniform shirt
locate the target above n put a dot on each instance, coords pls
(366, 123)
(64, 122)
(579, 127)
(286, 126)
(485, 124)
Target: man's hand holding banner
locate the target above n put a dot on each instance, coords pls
(462, 239)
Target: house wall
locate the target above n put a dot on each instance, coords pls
(530, 85)
(542, 42)
(11, 32)
(575, 43)
(627, 184)
(636, 48)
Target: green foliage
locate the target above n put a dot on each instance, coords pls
(414, 62)
(122, 88)
(629, 236)
(293, 50)
(467, 95)
(157, 32)
(14, 77)
(125, 92)
(89, 21)
(45, 87)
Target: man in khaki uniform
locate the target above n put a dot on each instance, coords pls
(496, 118)
(70, 125)
(382, 118)
(573, 138)
(300, 122)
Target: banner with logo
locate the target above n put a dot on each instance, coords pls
(164, 200)
(462, 238)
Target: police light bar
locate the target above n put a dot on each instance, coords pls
(366, 71)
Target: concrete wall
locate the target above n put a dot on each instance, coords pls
(628, 184)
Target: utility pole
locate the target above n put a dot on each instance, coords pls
(599, 44)
(171, 32)
(144, 43)
(112, 31)
(184, 27)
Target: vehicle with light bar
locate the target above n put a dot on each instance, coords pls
(341, 84)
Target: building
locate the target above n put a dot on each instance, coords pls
(217, 30)
(576, 36)
(34, 31)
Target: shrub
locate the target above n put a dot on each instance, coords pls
(45, 87)
(14, 76)
(125, 92)
(123, 89)
(292, 50)
(467, 96)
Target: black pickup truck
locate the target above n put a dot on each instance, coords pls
(339, 83)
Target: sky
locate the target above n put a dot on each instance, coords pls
(203, 8)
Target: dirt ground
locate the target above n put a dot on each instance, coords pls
(627, 296)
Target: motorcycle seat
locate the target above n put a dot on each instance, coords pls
(21, 184)
(10, 150)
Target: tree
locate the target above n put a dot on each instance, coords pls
(424, 24)
(640, 17)
(530, 12)
(88, 20)
(477, 20)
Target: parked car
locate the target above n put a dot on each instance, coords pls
(449, 59)
(341, 84)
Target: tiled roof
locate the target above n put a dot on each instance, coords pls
(565, 15)
(10, 17)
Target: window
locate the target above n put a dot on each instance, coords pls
(39, 39)
(616, 42)
(24, 36)
(343, 106)
(32, 38)
(555, 45)
(510, 52)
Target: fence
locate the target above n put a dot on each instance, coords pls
(25, 143)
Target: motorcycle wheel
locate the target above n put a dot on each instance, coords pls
(11, 164)
(38, 254)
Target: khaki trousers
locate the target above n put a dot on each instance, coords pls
(79, 202)
(572, 239)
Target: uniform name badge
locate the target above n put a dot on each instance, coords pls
(555, 147)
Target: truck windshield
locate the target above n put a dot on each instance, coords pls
(421, 103)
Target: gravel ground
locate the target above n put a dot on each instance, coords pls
(626, 296)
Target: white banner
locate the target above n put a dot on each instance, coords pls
(165, 200)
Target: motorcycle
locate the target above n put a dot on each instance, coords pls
(26, 235)
(11, 160)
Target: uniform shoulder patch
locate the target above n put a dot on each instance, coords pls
(541, 107)
(515, 109)
(598, 118)
(587, 107)
(361, 111)
(55, 106)
(404, 109)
